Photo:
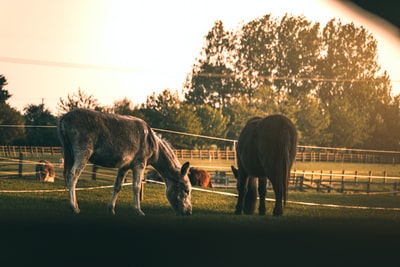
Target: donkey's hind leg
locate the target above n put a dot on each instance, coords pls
(72, 179)
(262, 191)
(117, 188)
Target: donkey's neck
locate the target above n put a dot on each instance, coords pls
(166, 163)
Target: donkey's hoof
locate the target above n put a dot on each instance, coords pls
(111, 210)
(277, 213)
(139, 213)
(238, 212)
(75, 210)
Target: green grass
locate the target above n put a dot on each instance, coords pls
(204, 203)
(40, 227)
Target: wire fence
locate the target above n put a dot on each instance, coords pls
(341, 181)
(304, 154)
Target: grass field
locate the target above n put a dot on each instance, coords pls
(38, 227)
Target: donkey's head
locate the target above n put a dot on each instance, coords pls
(178, 192)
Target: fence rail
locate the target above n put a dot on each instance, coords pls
(320, 181)
(305, 154)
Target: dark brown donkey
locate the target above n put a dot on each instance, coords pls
(122, 142)
(266, 149)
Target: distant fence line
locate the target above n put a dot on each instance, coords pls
(304, 154)
(341, 181)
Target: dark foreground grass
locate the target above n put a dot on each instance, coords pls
(38, 228)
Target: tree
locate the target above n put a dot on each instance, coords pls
(4, 94)
(166, 111)
(385, 117)
(14, 121)
(78, 100)
(351, 90)
(328, 80)
(10, 118)
(126, 107)
(212, 80)
(214, 124)
(255, 54)
(42, 133)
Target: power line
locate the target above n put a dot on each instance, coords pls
(66, 64)
(27, 126)
(282, 78)
(129, 69)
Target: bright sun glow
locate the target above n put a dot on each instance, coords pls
(136, 47)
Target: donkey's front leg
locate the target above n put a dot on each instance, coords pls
(117, 187)
(242, 191)
(138, 172)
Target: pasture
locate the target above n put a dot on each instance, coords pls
(39, 227)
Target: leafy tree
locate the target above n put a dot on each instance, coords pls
(10, 116)
(166, 111)
(39, 135)
(296, 53)
(312, 122)
(212, 80)
(385, 117)
(78, 100)
(255, 54)
(213, 123)
(327, 81)
(4, 94)
(126, 107)
(351, 90)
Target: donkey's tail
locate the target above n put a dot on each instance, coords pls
(284, 165)
(289, 148)
(66, 147)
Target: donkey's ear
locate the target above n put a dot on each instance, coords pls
(235, 172)
(185, 169)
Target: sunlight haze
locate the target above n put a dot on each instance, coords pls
(116, 49)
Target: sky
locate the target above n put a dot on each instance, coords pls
(113, 49)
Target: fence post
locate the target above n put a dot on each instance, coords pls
(342, 187)
(301, 181)
(20, 164)
(320, 181)
(330, 181)
(384, 176)
(355, 177)
(312, 177)
(369, 181)
(94, 171)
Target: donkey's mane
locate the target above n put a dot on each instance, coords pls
(168, 150)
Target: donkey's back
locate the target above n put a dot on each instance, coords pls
(105, 139)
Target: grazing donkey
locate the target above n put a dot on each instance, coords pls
(122, 142)
(266, 149)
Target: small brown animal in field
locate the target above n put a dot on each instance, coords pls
(45, 171)
(199, 177)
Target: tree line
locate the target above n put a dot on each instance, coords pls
(327, 80)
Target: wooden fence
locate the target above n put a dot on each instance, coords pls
(322, 181)
(344, 182)
(303, 155)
